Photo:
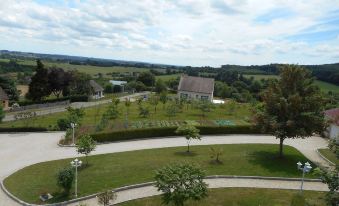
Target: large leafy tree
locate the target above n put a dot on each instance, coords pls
(181, 182)
(39, 86)
(190, 132)
(57, 80)
(292, 107)
(147, 78)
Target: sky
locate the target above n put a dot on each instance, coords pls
(178, 32)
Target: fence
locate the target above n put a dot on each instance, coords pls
(39, 106)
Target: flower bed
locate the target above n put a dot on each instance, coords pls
(223, 122)
(155, 124)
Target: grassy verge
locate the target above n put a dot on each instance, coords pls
(329, 155)
(243, 197)
(118, 169)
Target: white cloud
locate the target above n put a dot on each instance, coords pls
(187, 32)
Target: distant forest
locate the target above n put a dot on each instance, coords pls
(326, 72)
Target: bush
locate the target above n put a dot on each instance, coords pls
(169, 131)
(79, 98)
(63, 124)
(76, 98)
(65, 179)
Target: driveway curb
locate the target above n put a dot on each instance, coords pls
(134, 186)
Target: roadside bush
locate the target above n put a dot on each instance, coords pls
(23, 129)
(169, 131)
(76, 98)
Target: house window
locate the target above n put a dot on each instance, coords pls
(204, 97)
(183, 95)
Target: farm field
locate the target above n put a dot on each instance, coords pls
(324, 86)
(167, 77)
(240, 116)
(243, 197)
(109, 171)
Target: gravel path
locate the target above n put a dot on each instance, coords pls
(20, 150)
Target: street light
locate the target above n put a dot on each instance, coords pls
(305, 169)
(73, 125)
(76, 163)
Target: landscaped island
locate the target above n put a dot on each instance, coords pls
(110, 171)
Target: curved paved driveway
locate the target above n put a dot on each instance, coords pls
(20, 150)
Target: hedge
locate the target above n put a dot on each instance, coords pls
(23, 129)
(77, 98)
(169, 131)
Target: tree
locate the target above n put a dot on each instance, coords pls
(127, 105)
(190, 132)
(85, 145)
(292, 106)
(105, 197)
(65, 179)
(9, 86)
(147, 78)
(331, 178)
(56, 81)
(231, 105)
(181, 182)
(160, 86)
(172, 110)
(154, 100)
(205, 106)
(39, 86)
(163, 98)
(215, 154)
(143, 111)
(2, 114)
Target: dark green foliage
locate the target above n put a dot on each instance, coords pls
(2, 114)
(108, 88)
(181, 182)
(57, 80)
(65, 179)
(143, 111)
(169, 131)
(79, 98)
(147, 78)
(331, 178)
(9, 86)
(292, 107)
(189, 132)
(160, 86)
(39, 86)
(63, 124)
(136, 86)
(24, 129)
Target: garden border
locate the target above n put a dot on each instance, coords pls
(134, 186)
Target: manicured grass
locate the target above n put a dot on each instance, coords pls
(324, 86)
(94, 114)
(243, 197)
(118, 169)
(329, 155)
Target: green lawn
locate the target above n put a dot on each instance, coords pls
(118, 169)
(329, 155)
(243, 197)
(167, 77)
(324, 86)
(93, 115)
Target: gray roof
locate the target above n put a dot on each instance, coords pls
(196, 84)
(95, 86)
(3, 95)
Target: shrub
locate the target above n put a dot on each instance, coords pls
(169, 131)
(23, 129)
(65, 179)
(63, 124)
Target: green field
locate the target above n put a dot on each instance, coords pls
(324, 86)
(168, 77)
(118, 169)
(329, 155)
(243, 197)
(93, 115)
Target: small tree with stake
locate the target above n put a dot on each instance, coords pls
(85, 145)
(181, 182)
(65, 179)
(190, 132)
(105, 197)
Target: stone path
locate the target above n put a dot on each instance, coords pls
(23, 149)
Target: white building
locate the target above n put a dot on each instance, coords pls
(121, 84)
(196, 88)
(333, 116)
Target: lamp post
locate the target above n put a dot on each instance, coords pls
(305, 169)
(76, 163)
(73, 125)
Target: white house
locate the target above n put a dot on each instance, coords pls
(121, 84)
(333, 116)
(97, 92)
(197, 88)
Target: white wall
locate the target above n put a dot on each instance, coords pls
(194, 95)
(333, 131)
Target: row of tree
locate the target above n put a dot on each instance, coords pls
(56, 81)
